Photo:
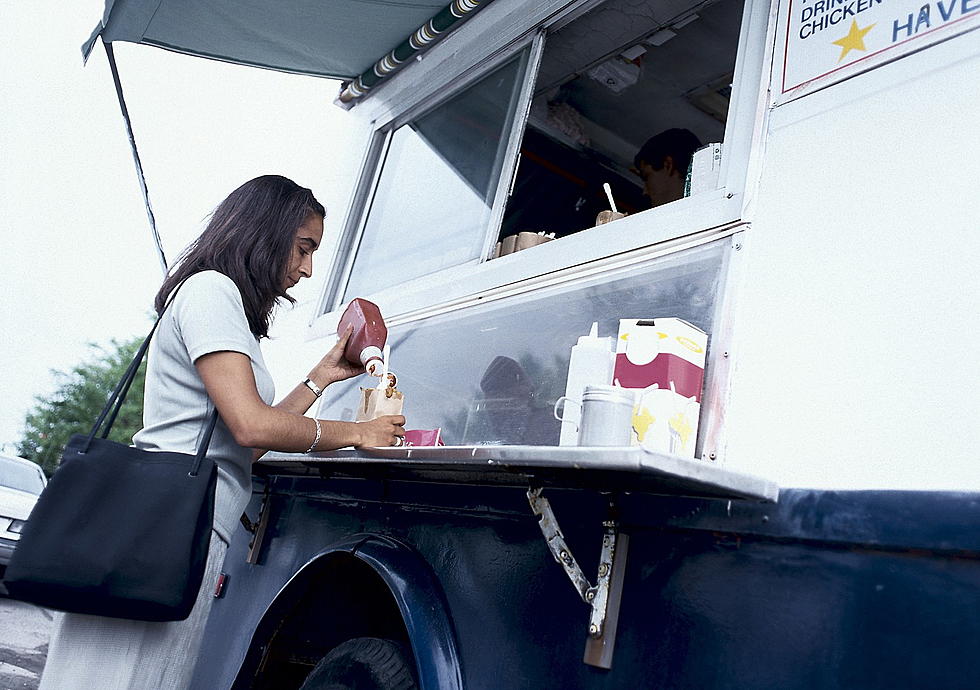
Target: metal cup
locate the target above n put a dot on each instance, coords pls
(607, 416)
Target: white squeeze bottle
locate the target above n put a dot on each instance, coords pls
(592, 362)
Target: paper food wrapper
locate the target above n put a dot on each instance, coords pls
(423, 437)
(607, 217)
(377, 402)
(520, 241)
(525, 240)
(664, 359)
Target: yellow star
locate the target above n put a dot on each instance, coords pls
(854, 40)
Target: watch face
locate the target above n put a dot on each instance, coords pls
(313, 387)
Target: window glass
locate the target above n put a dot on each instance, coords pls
(608, 82)
(17, 475)
(491, 374)
(437, 184)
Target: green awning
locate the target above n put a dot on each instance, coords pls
(342, 39)
(421, 38)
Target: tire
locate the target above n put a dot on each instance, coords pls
(363, 663)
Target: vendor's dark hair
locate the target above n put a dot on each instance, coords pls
(249, 238)
(679, 144)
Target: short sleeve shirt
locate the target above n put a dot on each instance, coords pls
(207, 315)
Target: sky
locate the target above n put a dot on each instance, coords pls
(77, 262)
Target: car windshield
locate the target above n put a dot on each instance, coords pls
(17, 475)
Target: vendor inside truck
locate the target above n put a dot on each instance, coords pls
(662, 164)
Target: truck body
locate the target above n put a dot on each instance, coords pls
(822, 533)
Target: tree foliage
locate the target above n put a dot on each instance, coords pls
(77, 402)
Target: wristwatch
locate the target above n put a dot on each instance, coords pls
(317, 391)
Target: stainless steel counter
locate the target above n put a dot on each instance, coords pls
(603, 469)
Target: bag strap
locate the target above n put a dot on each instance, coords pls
(202, 450)
(118, 396)
(115, 401)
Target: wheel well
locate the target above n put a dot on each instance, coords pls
(338, 598)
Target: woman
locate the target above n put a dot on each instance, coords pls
(205, 354)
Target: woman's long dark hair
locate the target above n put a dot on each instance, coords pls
(250, 239)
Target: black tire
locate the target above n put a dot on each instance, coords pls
(363, 663)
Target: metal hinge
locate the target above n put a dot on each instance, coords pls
(604, 596)
(257, 528)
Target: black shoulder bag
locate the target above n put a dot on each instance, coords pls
(119, 531)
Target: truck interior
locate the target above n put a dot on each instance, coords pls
(609, 80)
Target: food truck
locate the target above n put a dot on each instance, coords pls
(820, 529)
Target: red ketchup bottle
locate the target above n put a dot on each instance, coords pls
(367, 342)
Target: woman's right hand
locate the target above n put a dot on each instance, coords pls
(334, 366)
(387, 430)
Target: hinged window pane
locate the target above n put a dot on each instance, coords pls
(437, 186)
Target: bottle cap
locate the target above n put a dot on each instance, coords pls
(371, 358)
(592, 336)
(614, 394)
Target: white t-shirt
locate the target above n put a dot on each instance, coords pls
(207, 315)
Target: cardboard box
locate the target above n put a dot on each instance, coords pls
(663, 359)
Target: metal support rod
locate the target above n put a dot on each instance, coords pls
(599, 649)
(136, 157)
(600, 593)
(556, 544)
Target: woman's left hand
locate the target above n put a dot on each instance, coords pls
(334, 367)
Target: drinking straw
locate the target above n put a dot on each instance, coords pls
(612, 202)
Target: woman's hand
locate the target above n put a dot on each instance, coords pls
(334, 367)
(387, 430)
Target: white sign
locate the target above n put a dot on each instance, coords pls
(829, 40)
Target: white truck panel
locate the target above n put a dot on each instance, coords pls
(857, 336)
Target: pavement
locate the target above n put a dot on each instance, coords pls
(24, 633)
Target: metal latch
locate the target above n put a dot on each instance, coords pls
(604, 596)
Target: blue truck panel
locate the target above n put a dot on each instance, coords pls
(870, 589)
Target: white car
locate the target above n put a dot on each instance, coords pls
(21, 482)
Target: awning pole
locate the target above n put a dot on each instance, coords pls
(136, 158)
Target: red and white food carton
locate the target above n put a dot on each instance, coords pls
(423, 437)
(663, 359)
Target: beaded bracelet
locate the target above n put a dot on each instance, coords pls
(317, 439)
